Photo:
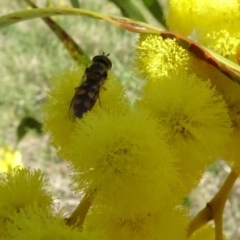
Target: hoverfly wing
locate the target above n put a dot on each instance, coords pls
(88, 93)
(71, 113)
(84, 98)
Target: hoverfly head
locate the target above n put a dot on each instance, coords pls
(104, 60)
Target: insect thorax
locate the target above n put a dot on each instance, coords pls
(96, 71)
(103, 59)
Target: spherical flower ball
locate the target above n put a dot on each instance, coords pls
(121, 155)
(58, 118)
(36, 223)
(55, 111)
(181, 16)
(156, 57)
(195, 117)
(220, 29)
(12, 186)
(230, 92)
(153, 225)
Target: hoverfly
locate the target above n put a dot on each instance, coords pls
(87, 92)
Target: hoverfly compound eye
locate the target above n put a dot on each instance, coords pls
(104, 60)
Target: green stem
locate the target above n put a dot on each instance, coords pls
(218, 203)
(214, 209)
(78, 216)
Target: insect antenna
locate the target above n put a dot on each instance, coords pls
(106, 54)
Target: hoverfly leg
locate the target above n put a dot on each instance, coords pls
(76, 89)
(106, 54)
(99, 100)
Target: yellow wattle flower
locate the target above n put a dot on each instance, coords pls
(181, 16)
(122, 152)
(156, 57)
(36, 223)
(231, 92)
(224, 42)
(214, 23)
(9, 159)
(33, 183)
(154, 225)
(192, 112)
(56, 107)
(152, 153)
(196, 120)
(56, 119)
(12, 200)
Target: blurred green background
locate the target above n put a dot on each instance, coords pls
(31, 54)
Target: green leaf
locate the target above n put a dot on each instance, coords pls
(25, 125)
(229, 69)
(155, 8)
(126, 23)
(76, 52)
(75, 3)
(134, 9)
(225, 66)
